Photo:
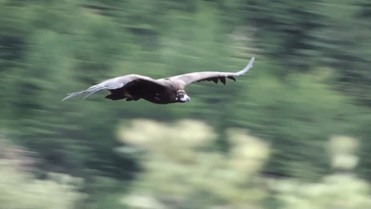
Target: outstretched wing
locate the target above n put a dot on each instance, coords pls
(186, 79)
(114, 83)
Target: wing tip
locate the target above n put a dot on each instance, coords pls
(74, 94)
(248, 66)
(67, 97)
(251, 62)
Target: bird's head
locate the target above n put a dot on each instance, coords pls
(181, 96)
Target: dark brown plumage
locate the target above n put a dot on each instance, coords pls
(160, 91)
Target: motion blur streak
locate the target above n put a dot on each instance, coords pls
(293, 134)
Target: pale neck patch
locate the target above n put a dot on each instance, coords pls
(182, 96)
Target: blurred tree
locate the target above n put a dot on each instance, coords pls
(334, 191)
(34, 109)
(344, 49)
(339, 190)
(296, 114)
(179, 172)
(284, 30)
(20, 189)
(310, 81)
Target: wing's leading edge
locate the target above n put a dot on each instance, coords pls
(189, 78)
(247, 68)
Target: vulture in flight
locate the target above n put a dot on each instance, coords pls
(159, 91)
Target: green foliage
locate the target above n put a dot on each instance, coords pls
(347, 51)
(296, 113)
(286, 29)
(342, 150)
(310, 82)
(20, 189)
(179, 172)
(334, 191)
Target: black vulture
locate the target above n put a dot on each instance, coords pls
(159, 91)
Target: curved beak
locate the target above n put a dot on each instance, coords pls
(185, 98)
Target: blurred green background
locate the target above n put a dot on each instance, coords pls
(294, 133)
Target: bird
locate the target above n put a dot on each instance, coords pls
(133, 87)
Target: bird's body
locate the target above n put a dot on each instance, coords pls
(161, 91)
